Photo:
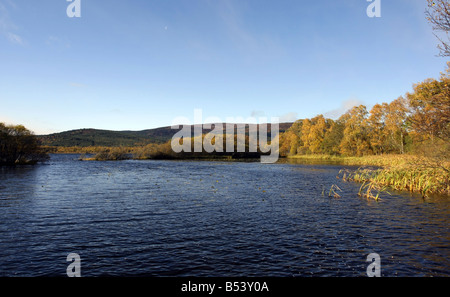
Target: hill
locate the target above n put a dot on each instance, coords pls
(108, 138)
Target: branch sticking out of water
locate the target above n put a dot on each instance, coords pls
(333, 192)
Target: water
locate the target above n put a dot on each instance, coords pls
(227, 219)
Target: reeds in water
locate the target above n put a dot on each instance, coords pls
(417, 179)
(333, 191)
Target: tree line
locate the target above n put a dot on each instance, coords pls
(406, 125)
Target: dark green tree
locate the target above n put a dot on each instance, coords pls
(18, 145)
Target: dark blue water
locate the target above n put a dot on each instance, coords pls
(188, 218)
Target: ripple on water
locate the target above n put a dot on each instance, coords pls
(176, 218)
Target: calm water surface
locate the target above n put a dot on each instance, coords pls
(188, 218)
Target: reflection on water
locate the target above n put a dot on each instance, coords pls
(189, 218)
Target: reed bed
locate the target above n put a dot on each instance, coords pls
(413, 173)
(417, 179)
(372, 160)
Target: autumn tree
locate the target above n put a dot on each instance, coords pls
(296, 128)
(304, 137)
(395, 125)
(430, 119)
(288, 143)
(438, 14)
(355, 137)
(415, 121)
(19, 145)
(313, 133)
(333, 137)
(430, 108)
(377, 124)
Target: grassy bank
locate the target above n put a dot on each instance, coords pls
(373, 160)
(411, 173)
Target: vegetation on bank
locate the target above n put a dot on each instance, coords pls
(372, 160)
(163, 151)
(409, 138)
(19, 146)
(405, 125)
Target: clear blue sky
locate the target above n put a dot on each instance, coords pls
(133, 65)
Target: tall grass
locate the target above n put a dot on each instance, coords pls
(372, 160)
(411, 173)
(406, 177)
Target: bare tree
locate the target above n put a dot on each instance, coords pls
(438, 14)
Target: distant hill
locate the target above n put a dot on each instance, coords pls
(108, 138)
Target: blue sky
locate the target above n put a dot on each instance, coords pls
(134, 65)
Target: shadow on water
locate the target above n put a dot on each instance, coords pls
(17, 180)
